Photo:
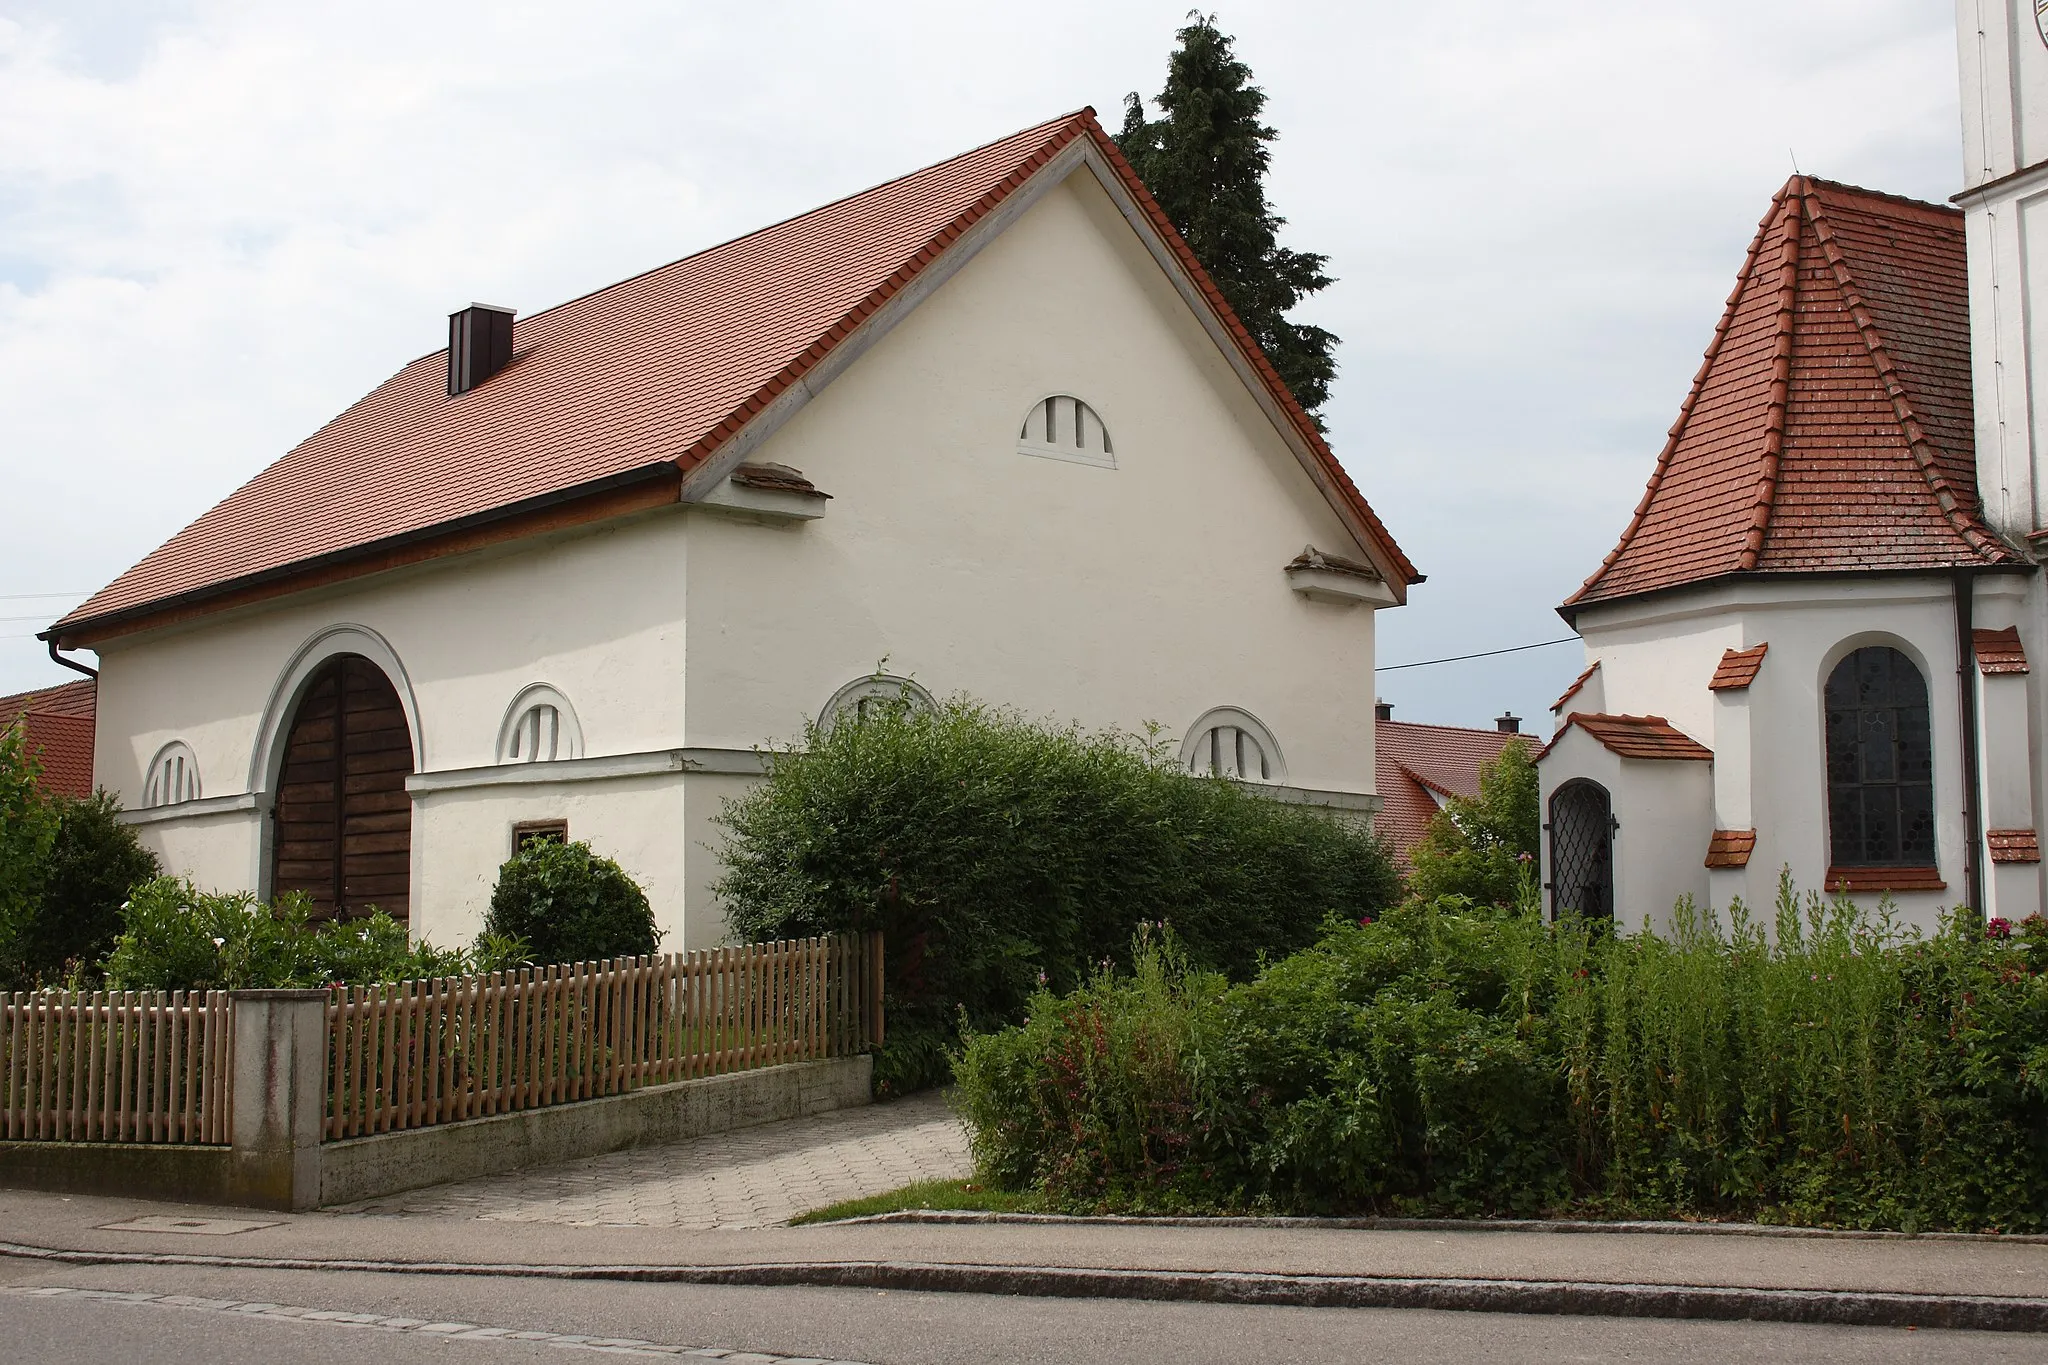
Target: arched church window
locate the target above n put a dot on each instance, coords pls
(1581, 832)
(539, 727)
(1228, 742)
(173, 776)
(1063, 427)
(871, 695)
(1880, 762)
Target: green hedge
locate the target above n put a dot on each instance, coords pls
(177, 937)
(998, 853)
(1444, 1060)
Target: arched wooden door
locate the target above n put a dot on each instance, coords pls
(343, 830)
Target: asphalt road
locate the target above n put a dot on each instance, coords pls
(881, 1328)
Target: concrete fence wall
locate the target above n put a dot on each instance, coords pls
(276, 1158)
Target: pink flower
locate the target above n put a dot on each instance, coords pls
(1998, 927)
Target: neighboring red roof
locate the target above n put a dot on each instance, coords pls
(1577, 684)
(58, 729)
(1412, 760)
(2013, 845)
(652, 374)
(79, 698)
(1731, 847)
(1999, 651)
(1829, 428)
(1634, 736)
(1738, 669)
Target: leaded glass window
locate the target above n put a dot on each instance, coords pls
(1880, 762)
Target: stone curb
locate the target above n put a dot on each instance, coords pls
(1851, 1308)
(1561, 1225)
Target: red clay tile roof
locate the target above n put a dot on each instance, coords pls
(1731, 847)
(63, 745)
(1999, 651)
(2013, 845)
(79, 698)
(1634, 736)
(1412, 760)
(654, 373)
(1577, 683)
(1738, 669)
(1829, 428)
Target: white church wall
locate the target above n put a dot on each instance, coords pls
(1151, 591)
(1810, 625)
(1665, 810)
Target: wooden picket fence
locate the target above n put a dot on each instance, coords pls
(410, 1054)
(115, 1066)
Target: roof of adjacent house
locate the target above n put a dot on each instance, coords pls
(57, 726)
(1738, 669)
(645, 378)
(1999, 651)
(1414, 760)
(1633, 736)
(1829, 428)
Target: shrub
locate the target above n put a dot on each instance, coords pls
(997, 852)
(567, 904)
(93, 864)
(1484, 848)
(28, 827)
(1445, 1059)
(176, 937)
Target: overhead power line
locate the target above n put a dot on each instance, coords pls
(1484, 654)
(32, 596)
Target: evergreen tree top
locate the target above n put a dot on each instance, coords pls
(1205, 160)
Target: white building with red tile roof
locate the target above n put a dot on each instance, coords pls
(986, 428)
(1422, 768)
(1807, 650)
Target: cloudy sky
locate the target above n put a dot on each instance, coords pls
(220, 223)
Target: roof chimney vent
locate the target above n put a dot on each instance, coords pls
(1383, 709)
(1508, 723)
(479, 345)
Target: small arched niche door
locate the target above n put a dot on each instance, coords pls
(1582, 851)
(343, 830)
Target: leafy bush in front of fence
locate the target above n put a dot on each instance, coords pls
(1453, 1060)
(66, 864)
(998, 852)
(568, 904)
(177, 937)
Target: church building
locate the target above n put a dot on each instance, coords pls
(987, 428)
(1815, 646)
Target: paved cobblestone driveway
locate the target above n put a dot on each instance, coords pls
(752, 1178)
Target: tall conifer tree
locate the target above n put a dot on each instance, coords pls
(1205, 161)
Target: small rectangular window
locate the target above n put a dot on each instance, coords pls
(526, 833)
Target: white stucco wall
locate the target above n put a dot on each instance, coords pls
(1151, 592)
(1769, 741)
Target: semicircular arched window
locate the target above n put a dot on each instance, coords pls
(173, 776)
(539, 727)
(1228, 742)
(1063, 427)
(1880, 762)
(864, 697)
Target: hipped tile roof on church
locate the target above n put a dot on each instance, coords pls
(653, 373)
(1633, 736)
(1829, 428)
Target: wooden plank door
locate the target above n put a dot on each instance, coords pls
(344, 819)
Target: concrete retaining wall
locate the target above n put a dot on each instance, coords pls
(365, 1167)
(283, 1165)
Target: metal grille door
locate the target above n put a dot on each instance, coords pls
(1581, 851)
